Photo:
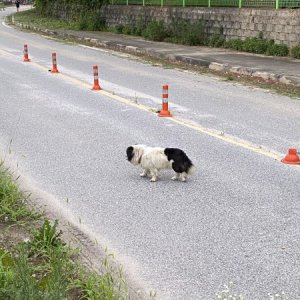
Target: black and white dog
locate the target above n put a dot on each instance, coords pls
(153, 159)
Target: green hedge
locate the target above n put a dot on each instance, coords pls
(184, 32)
(70, 9)
(258, 46)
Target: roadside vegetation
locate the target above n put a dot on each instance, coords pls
(35, 262)
(31, 19)
(81, 14)
(180, 32)
(187, 33)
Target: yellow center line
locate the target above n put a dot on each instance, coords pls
(180, 121)
(229, 139)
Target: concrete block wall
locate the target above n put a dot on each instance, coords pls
(281, 25)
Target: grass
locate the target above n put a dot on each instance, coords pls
(30, 17)
(43, 266)
(86, 21)
(12, 201)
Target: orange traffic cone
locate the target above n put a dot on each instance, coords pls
(291, 158)
(165, 105)
(96, 86)
(54, 64)
(26, 58)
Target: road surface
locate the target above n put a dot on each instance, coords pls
(236, 220)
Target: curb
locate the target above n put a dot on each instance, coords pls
(212, 65)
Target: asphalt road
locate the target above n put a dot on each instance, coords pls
(237, 219)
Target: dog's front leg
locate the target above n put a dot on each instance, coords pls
(154, 175)
(183, 177)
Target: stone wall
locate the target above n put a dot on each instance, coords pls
(281, 25)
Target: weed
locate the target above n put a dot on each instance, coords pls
(217, 39)
(109, 286)
(91, 22)
(229, 78)
(6, 275)
(235, 44)
(184, 32)
(119, 28)
(46, 238)
(12, 201)
(139, 28)
(61, 274)
(278, 50)
(295, 51)
(256, 45)
(153, 294)
(127, 30)
(24, 285)
(85, 21)
(155, 31)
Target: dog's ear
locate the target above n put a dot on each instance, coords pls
(129, 153)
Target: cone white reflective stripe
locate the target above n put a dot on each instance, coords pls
(165, 94)
(95, 72)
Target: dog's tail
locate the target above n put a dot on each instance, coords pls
(191, 170)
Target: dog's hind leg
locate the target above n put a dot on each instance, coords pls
(177, 176)
(144, 173)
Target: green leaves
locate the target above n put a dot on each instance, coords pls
(12, 200)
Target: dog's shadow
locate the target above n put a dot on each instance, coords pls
(164, 177)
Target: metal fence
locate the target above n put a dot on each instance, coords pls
(213, 3)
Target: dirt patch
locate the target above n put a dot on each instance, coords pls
(11, 235)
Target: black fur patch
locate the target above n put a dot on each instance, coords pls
(129, 152)
(181, 161)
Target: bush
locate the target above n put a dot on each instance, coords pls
(195, 35)
(295, 51)
(127, 30)
(99, 24)
(91, 22)
(217, 39)
(139, 28)
(259, 46)
(119, 28)
(278, 50)
(256, 45)
(73, 8)
(184, 32)
(155, 31)
(234, 44)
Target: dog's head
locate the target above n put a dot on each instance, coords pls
(134, 154)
